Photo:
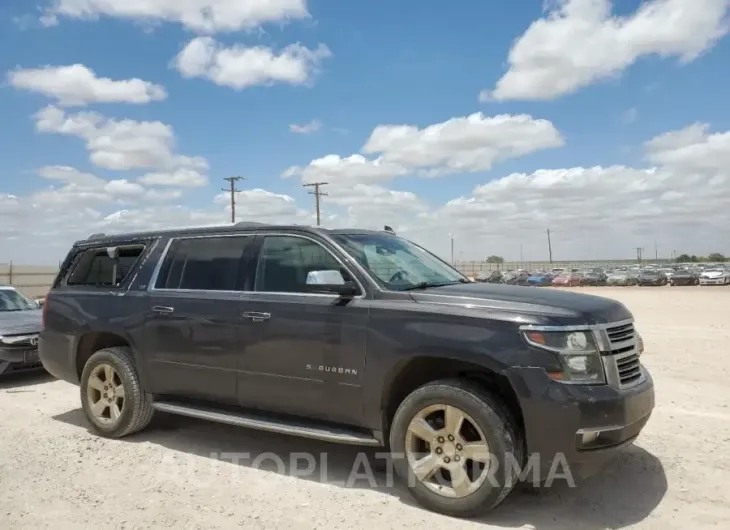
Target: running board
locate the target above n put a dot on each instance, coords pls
(243, 419)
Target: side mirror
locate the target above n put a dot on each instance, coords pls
(330, 281)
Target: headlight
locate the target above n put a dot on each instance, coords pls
(577, 352)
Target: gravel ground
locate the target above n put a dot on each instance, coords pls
(181, 474)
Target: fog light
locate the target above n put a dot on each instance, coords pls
(590, 437)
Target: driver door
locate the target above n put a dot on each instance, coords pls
(306, 353)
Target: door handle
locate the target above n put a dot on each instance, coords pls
(163, 309)
(256, 316)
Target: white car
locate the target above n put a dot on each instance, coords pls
(715, 277)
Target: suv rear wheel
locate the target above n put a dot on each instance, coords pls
(111, 395)
(456, 447)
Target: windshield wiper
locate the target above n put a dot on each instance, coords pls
(427, 285)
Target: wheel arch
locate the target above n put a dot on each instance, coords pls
(93, 341)
(415, 372)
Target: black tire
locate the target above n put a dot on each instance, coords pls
(495, 422)
(136, 411)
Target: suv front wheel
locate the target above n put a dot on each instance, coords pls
(111, 395)
(457, 447)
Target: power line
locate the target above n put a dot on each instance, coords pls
(232, 190)
(317, 194)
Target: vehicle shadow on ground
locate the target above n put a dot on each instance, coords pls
(624, 494)
(24, 381)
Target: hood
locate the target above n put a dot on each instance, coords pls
(713, 274)
(557, 307)
(12, 322)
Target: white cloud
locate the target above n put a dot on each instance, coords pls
(680, 200)
(241, 67)
(463, 144)
(306, 128)
(124, 144)
(78, 85)
(580, 42)
(183, 176)
(205, 16)
(692, 149)
(73, 188)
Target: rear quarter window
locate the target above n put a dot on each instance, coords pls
(94, 267)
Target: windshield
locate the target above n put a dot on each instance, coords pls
(12, 300)
(396, 263)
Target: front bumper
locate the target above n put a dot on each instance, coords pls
(713, 281)
(583, 426)
(18, 359)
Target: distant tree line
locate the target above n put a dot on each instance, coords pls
(713, 257)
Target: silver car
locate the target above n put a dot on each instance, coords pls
(20, 323)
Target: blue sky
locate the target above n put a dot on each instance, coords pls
(391, 63)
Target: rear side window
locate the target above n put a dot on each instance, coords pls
(95, 267)
(203, 264)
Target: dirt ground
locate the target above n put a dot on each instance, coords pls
(178, 474)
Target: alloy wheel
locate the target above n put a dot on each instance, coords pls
(447, 451)
(105, 392)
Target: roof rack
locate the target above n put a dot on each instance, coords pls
(248, 223)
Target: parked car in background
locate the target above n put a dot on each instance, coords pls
(20, 324)
(620, 278)
(716, 276)
(592, 279)
(489, 277)
(668, 272)
(685, 277)
(566, 279)
(515, 278)
(651, 277)
(540, 279)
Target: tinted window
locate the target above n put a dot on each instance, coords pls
(94, 267)
(206, 263)
(171, 270)
(285, 262)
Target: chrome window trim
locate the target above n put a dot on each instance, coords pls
(160, 261)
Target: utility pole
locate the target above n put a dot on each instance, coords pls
(521, 260)
(639, 250)
(550, 247)
(232, 190)
(656, 251)
(317, 194)
(452, 249)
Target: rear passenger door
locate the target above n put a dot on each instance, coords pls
(194, 330)
(306, 353)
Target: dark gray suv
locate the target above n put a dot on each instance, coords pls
(349, 336)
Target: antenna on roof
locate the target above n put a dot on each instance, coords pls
(388, 229)
(96, 236)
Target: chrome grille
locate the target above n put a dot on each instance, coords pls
(621, 357)
(620, 336)
(629, 369)
(25, 341)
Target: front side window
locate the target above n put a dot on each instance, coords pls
(203, 264)
(285, 261)
(12, 300)
(397, 263)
